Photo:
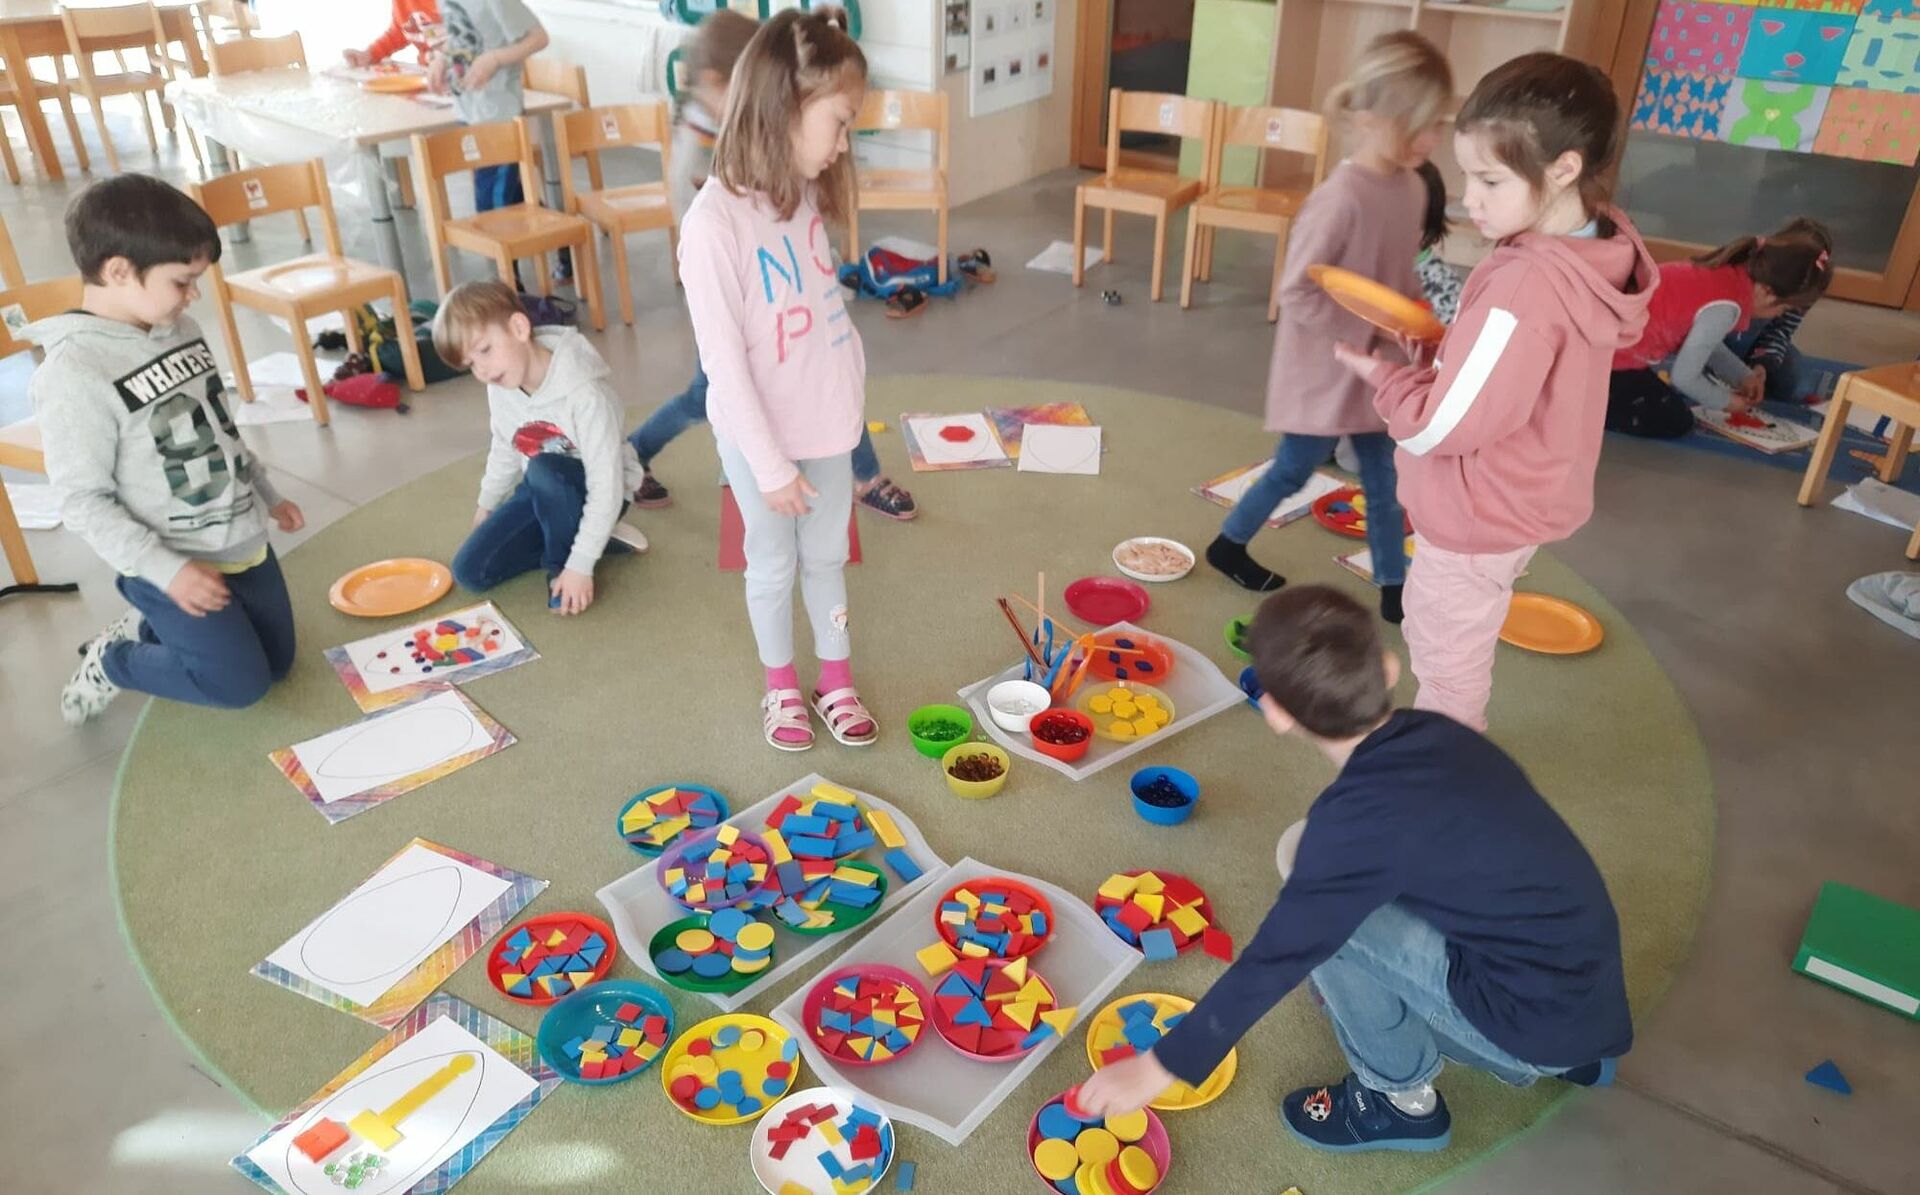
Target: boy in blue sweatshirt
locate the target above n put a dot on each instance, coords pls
(1441, 906)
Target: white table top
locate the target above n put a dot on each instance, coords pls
(22, 12)
(319, 102)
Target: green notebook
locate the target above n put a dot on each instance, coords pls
(1864, 944)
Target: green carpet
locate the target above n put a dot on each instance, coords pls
(218, 860)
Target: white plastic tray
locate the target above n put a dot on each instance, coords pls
(638, 906)
(1197, 688)
(934, 1086)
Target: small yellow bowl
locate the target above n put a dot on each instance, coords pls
(976, 790)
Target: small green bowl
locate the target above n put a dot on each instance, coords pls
(936, 748)
(687, 981)
(1237, 638)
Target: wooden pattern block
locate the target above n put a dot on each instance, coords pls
(1160, 912)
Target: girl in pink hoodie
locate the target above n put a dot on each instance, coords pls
(1500, 433)
(786, 371)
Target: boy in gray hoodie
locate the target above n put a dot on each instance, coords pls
(151, 472)
(557, 472)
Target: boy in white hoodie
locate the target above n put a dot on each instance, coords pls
(151, 472)
(558, 471)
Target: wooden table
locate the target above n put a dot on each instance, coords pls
(32, 29)
(1891, 390)
(318, 102)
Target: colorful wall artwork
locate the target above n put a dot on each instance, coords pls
(1836, 77)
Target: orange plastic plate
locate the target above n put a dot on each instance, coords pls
(1551, 625)
(388, 587)
(395, 84)
(1382, 306)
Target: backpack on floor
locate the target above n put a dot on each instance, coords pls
(379, 338)
(882, 274)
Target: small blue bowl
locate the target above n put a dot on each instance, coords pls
(586, 1010)
(654, 852)
(1250, 685)
(1159, 816)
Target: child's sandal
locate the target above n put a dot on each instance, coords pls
(782, 709)
(976, 265)
(906, 304)
(841, 709)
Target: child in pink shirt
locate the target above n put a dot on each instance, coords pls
(787, 374)
(1500, 434)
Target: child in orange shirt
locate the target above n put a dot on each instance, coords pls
(415, 23)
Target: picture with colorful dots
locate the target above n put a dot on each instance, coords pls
(455, 648)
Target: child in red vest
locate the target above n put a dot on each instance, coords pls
(415, 23)
(1699, 304)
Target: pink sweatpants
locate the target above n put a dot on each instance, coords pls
(1455, 604)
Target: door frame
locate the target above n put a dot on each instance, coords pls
(1092, 44)
(1897, 286)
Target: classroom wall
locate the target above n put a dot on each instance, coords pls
(1007, 148)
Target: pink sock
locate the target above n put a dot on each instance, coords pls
(838, 674)
(788, 677)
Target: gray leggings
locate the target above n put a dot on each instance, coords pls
(813, 545)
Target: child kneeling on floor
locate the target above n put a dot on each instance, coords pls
(1443, 909)
(151, 471)
(558, 471)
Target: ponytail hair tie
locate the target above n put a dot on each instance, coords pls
(1759, 243)
(1820, 263)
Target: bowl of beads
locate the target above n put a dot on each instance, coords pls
(721, 952)
(935, 728)
(1152, 558)
(717, 869)
(1237, 637)
(1250, 685)
(1064, 735)
(1015, 703)
(1076, 1153)
(1164, 796)
(867, 1014)
(730, 1068)
(606, 1032)
(975, 771)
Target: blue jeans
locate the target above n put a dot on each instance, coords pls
(1294, 462)
(1386, 994)
(226, 659)
(1785, 377)
(497, 186)
(533, 528)
(689, 407)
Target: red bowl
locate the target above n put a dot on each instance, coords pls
(1158, 1147)
(1064, 752)
(1154, 653)
(943, 1026)
(1204, 904)
(539, 926)
(817, 999)
(1041, 904)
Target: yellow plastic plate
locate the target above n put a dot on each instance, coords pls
(1103, 1033)
(751, 1058)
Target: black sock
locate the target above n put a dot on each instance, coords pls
(1390, 608)
(1240, 568)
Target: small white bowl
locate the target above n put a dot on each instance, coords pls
(1014, 704)
(1153, 578)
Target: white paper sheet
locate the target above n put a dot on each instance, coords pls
(377, 656)
(935, 1086)
(983, 445)
(1057, 258)
(1053, 448)
(1779, 435)
(1293, 505)
(384, 928)
(391, 746)
(37, 507)
(271, 404)
(442, 1126)
(1879, 501)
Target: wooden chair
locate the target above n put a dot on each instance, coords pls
(1890, 390)
(619, 211)
(1253, 209)
(223, 20)
(93, 31)
(259, 54)
(504, 234)
(57, 88)
(20, 305)
(902, 190)
(11, 275)
(1143, 192)
(305, 287)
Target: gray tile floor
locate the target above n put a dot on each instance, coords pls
(1806, 706)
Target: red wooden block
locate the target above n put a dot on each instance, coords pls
(965, 1037)
(1116, 1054)
(865, 1143)
(1218, 943)
(628, 1012)
(1135, 918)
(973, 970)
(1179, 889)
(779, 1070)
(700, 1045)
(322, 1139)
(592, 1070)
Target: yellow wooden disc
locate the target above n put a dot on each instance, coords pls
(1097, 1146)
(757, 936)
(1136, 1166)
(752, 1041)
(1121, 730)
(694, 941)
(1056, 1159)
(1128, 1128)
(1142, 727)
(1100, 705)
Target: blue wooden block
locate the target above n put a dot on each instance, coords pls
(1158, 944)
(903, 865)
(804, 823)
(831, 1164)
(903, 1177)
(858, 840)
(810, 846)
(835, 811)
(1828, 1075)
(1039, 923)
(975, 1013)
(521, 939)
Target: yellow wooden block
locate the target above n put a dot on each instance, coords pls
(637, 818)
(580, 979)
(1062, 1019)
(1188, 920)
(728, 835)
(663, 831)
(1142, 727)
(1016, 970)
(777, 847)
(793, 1188)
(967, 898)
(556, 937)
(936, 959)
(833, 792)
(1100, 705)
(1160, 717)
(1021, 1011)
(825, 1128)
(1119, 886)
(1036, 991)
(1120, 729)
(674, 876)
(882, 826)
(630, 1038)
(853, 875)
(696, 893)
(859, 1045)
(508, 979)
(974, 950)
(1153, 903)
(1149, 883)
(953, 917)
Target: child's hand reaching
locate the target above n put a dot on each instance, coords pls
(437, 68)
(1755, 387)
(287, 516)
(791, 498)
(356, 58)
(1420, 352)
(482, 68)
(1123, 1087)
(1361, 363)
(199, 589)
(572, 591)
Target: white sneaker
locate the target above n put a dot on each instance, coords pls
(631, 536)
(89, 693)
